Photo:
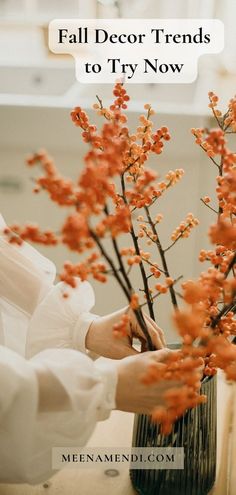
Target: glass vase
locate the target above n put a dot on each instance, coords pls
(196, 433)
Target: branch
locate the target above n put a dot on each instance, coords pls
(224, 311)
(141, 265)
(217, 120)
(176, 240)
(208, 206)
(162, 255)
(231, 265)
(153, 265)
(160, 294)
(119, 259)
(110, 262)
(212, 159)
(138, 312)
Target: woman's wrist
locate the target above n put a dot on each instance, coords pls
(89, 337)
(100, 337)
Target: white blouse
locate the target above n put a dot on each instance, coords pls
(33, 313)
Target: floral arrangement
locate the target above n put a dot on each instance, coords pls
(117, 194)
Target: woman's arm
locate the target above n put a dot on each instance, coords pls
(68, 323)
(27, 284)
(56, 399)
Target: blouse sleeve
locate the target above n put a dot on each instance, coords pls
(27, 436)
(61, 322)
(25, 274)
(34, 314)
(25, 278)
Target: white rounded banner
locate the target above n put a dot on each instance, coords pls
(136, 50)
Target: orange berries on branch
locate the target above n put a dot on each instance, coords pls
(89, 267)
(134, 302)
(224, 232)
(121, 329)
(184, 228)
(60, 189)
(103, 202)
(31, 232)
(230, 119)
(177, 399)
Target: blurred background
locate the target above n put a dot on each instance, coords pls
(38, 89)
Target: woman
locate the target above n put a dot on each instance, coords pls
(57, 396)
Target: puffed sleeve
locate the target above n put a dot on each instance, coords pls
(25, 278)
(61, 322)
(27, 436)
(34, 313)
(25, 274)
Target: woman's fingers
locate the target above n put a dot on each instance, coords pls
(156, 335)
(155, 332)
(161, 355)
(157, 329)
(131, 393)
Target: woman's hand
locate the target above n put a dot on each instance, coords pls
(132, 394)
(101, 340)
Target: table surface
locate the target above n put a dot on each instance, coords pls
(116, 431)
